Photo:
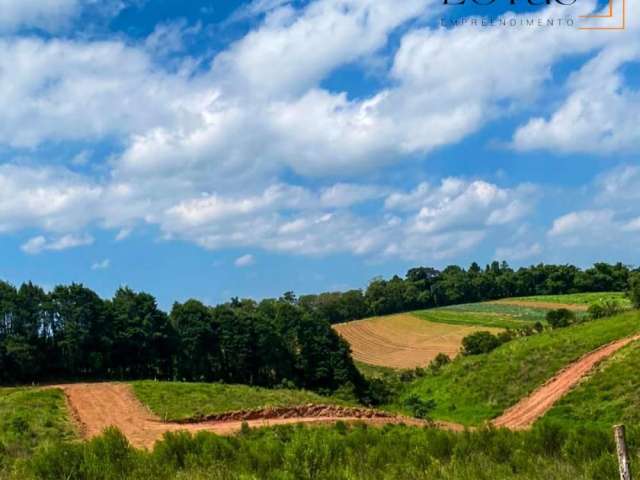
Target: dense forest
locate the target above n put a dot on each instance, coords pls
(70, 332)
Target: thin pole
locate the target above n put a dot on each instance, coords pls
(623, 454)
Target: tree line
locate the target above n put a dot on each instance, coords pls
(426, 287)
(70, 332)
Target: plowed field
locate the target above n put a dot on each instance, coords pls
(403, 341)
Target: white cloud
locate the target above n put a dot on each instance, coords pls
(40, 244)
(43, 14)
(600, 114)
(101, 265)
(52, 199)
(244, 261)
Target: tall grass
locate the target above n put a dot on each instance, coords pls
(340, 452)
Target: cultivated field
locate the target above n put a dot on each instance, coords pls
(403, 340)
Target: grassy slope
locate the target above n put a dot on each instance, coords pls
(473, 389)
(610, 395)
(28, 418)
(183, 401)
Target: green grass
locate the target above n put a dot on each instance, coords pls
(608, 396)
(175, 401)
(579, 298)
(29, 418)
(477, 388)
(375, 371)
(499, 315)
(486, 315)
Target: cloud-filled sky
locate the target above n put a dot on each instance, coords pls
(229, 149)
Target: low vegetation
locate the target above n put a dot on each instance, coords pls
(473, 389)
(340, 452)
(608, 396)
(176, 401)
(30, 418)
(585, 298)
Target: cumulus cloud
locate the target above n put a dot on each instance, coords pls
(204, 150)
(600, 113)
(43, 14)
(39, 244)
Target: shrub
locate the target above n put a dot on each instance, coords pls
(440, 361)
(538, 327)
(560, 318)
(418, 407)
(479, 342)
(634, 289)
(604, 308)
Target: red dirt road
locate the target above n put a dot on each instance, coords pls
(96, 406)
(524, 413)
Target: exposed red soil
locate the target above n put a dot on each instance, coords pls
(96, 406)
(524, 413)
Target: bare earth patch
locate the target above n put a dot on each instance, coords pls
(403, 340)
(96, 406)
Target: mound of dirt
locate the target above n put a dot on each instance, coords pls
(310, 410)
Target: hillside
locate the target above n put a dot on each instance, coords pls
(610, 395)
(477, 388)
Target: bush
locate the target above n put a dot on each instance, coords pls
(440, 361)
(479, 342)
(634, 289)
(560, 318)
(418, 407)
(604, 308)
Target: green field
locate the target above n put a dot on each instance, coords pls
(176, 401)
(608, 396)
(484, 314)
(30, 418)
(503, 315)
(579, 298)
(477, 388)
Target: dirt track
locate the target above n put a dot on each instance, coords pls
(524, 413)
(96, 406)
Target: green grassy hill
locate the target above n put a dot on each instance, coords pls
(175, 401)
(610, 395)
(477, 388)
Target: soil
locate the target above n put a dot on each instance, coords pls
(96, 406)
(524, 413)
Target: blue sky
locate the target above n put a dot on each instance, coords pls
(216, 149)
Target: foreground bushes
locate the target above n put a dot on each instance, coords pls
(340, 452)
